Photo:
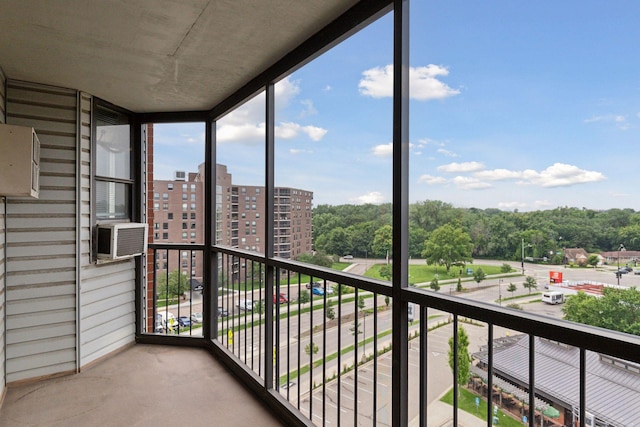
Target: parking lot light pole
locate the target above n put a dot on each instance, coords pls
(620, 248)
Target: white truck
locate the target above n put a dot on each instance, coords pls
(553, 297)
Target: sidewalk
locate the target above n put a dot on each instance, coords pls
(440, 414)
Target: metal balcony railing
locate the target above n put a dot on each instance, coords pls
(321, 342)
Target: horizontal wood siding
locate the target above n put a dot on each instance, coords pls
(41, 240)
(3, 380)
(107, 292)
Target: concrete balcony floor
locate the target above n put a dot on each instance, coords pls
(145, 385)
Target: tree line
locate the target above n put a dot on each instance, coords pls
(365, 230)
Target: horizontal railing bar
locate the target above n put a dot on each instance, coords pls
(177, 246)
(591, 338)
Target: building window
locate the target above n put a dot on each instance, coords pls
(193, 187)
(156, 236)
(257, 214)
(113, 179)
(193, 225)
(193, 234)
(170, 186)
(193, 197)
(165, 196)
(185, 196)
(156, 196)
(184, 225)
(170, 215)
(243, 214)
(165, 206)
(193, 215)
(156, 206)
(165, 236)
(184, 206)
(184, 187)
(184, 235)
(185, 215)
(193, 206)
(165, 225)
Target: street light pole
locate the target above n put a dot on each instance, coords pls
(500, 291)
(620, 248)
(522, 258)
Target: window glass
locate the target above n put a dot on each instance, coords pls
(112, 200)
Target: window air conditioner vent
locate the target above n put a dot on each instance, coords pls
(121, 240)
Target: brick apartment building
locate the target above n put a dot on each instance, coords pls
(179, 218)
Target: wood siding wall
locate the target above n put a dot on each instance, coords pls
(3, 381)
(107, 292)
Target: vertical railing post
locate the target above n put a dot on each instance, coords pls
(400, 357)
(209, 258)
(268, 232)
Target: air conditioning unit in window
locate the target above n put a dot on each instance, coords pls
(121, 240)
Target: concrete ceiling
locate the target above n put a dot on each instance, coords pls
(155, 55)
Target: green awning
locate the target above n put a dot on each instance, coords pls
(551, 412)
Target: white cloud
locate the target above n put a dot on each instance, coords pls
(327, 88)
(446, 152)
(423, 83)
(618, 120)
(309, 109)
(383, 150)
(470, 183)
(431, 180)
(541, 204)
(511, 205)
(560, 175)
(498, 174)
(289, 130)
(374, 197)
(461, 167)
(246, 123)
(296, 151)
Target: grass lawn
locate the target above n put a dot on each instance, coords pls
(466, 402)
(426, 273)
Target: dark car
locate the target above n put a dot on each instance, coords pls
(184, 321)
(222, 312)
(622, 271)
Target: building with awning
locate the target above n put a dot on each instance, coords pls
(612, 385)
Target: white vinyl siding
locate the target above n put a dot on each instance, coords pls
(2, 254)
(41, 244)
(107, 295)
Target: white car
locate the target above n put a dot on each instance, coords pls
(245, 304)
(196, 317)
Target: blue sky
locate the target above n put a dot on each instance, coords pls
(515, 105)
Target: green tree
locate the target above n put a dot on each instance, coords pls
(361, 303)
(464, 359)
(511, 288)
(617, 309)
(505, 268)
(387, 301)
(382, 240)
(593, 260)
(448, 245)
(319, 258)
(459, 285)
(329, 311)
(258, 307)
(178, 284)
(311, 348)
(479, 275)
(386, 272)
(434, 284)
(530, 283)
(304, 297)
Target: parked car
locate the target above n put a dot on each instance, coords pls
(314, 285)
(317, 291)
(196, 317)
(281, 299)
(626, 267)
(622, 271)
(637, 272)
(222, 312)
(348, 257)
(184, 321)
(245, 304)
